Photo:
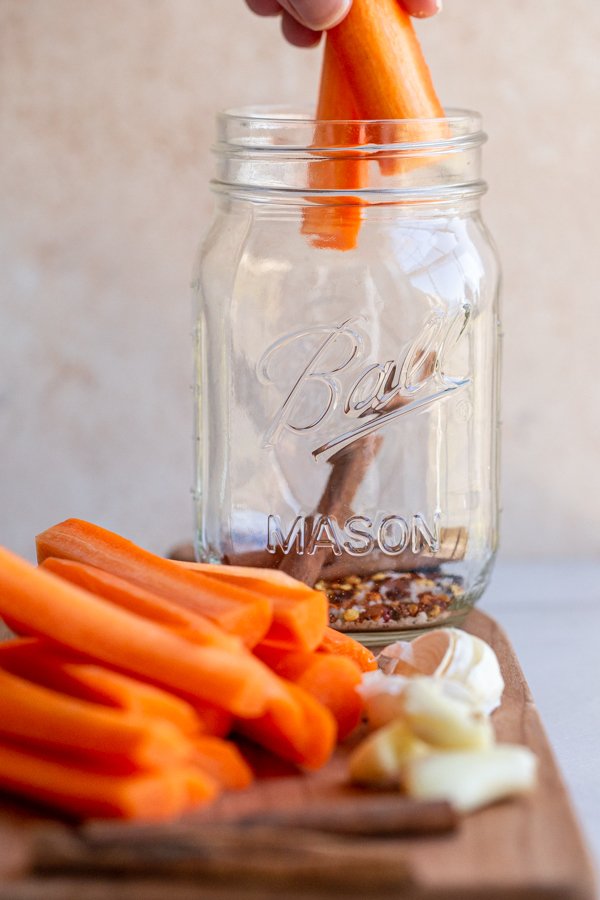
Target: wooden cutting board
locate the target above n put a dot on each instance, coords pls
(525, 849)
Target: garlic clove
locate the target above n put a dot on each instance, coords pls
(382, 695)
(378, 760)
(451, 654)
(485, 678)
(422, 656)
(470, 779)
(441, 714)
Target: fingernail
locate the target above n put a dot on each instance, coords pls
(319, 23)
(341, 14)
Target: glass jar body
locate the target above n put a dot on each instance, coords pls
(347, 407)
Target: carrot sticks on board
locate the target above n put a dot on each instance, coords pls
(80, 791)
(41, 603)
(236, 610)
(299, 611)
(47, 664)
(193, 626)
(332, 680)
(49, 719)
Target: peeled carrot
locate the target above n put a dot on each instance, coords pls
(236, 610)
(334, 222)
(383, 62)
(84, 792)
(39, 661)
(332, 680)
(299, 612)
(387, 74)
(43, 604)
(215, 721)
(45, 718)
(340, 644)
(223, 762)
(193, 626)
(308, 739)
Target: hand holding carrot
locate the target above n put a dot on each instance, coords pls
(302, 21)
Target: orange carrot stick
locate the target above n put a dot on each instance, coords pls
(193, 626)
(39, 661)
(308, 743)
(299, 612)
(340, 644)
(382, 59)
(223, 762)
(84, 792)
(43, 604)
(383, 62)
(334, 222)
(332, 680)
(235, 610)
(215, 721)
(45, 718)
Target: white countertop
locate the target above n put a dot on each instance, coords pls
(551, 612)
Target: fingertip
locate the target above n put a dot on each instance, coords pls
(264, 7)
(422, 9)
(297, 34)
(318, 15)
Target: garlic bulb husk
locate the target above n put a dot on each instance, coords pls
(382, 695)
(467, 660)
(474, 664)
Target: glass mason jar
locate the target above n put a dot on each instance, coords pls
(347, 337)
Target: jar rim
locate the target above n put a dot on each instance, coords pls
(289, 128)
(285, 149)
(284, 114)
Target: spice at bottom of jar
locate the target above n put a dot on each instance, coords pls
(391, 599)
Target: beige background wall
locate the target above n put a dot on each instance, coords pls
(106, 121)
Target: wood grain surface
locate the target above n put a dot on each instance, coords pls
(525, 849)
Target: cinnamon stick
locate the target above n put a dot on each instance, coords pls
(224, 855)
(348, 469)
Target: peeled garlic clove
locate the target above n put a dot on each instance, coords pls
(382, 695)
(438, 716)
(471, 779)
(378, 760)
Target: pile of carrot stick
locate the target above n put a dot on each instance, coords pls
(135, 682)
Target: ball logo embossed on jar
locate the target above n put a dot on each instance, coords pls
(382, 391)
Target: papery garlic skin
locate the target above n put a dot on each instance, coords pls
(473, 663)
(467, 660)
(382, 695)
(471, 779)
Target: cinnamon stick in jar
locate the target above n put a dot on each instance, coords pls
(348, 470)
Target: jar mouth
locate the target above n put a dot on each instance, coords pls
(285, 129)
(283, 153)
